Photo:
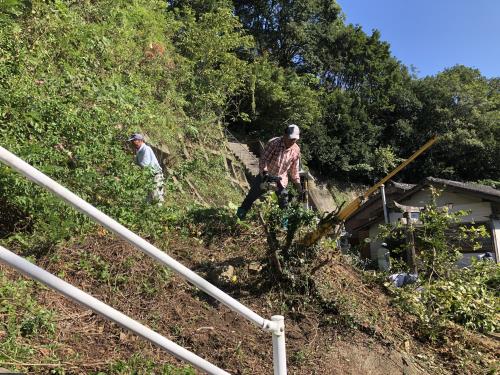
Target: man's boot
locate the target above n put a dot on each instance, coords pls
(241, 213)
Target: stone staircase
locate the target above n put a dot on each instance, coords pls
(245, 156)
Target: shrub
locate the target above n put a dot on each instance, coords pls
(20, 316)
(468, 297)
(76, 78)
(444, 292)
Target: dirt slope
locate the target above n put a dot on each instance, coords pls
(365, 336)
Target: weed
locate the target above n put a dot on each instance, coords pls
(21, 317)
(148, 288)
(444, 293)
(176, 330)
(94, 266)
(57, 371)
(34, 323)
(298, 357)
(211, 223)
(140, 365)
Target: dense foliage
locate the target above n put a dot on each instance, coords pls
(443, 292)
(363, 99)
(76, 78)
(469, 297)
(20, 322)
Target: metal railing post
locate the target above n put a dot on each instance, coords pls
(384, 203)
(279, 349)
(108, 312)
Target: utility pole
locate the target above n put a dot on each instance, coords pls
(410, 243)
(384, 203)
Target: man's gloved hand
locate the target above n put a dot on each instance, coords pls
(265, 176)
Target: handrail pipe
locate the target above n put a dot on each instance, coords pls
(41, 179)
(105, 310)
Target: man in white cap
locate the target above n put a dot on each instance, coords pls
(145, 157)
(281, 155)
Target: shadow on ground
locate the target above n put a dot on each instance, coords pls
(213, 224)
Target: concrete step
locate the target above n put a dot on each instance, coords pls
(237, 147)
(243, 154)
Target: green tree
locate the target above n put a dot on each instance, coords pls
(463, 107)
(279, 96)
(357, 83)
(340, 143)
(75, 79)
(444, 292)
(283, 29)
(210, 38)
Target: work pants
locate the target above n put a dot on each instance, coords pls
(157, 194)
(256, 192)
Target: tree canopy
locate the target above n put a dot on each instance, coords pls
(355, 99)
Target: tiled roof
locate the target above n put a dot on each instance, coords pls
(400, 191)
(402, 186)
(466, 186)
(371, 207)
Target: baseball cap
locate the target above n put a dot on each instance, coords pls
(293, 131)
(136, 136)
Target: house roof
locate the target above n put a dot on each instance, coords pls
(402, 186)
(486, 192)
(371, 210)
(372, 207)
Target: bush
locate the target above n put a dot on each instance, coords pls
(443, 292)
(76, 78)
(21, 316)
(469, 297)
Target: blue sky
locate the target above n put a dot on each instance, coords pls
(434, 34)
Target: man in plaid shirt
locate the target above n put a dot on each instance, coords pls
(281, 155)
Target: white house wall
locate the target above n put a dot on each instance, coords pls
(394, 217)
(423, 197)
(481, 212)
(375, 242)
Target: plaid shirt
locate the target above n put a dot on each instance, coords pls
(278, 160)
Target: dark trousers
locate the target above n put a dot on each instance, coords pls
(255, 192)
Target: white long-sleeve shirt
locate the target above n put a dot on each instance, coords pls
(145, 157)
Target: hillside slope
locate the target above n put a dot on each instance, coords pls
(76, 78)
(363, 335)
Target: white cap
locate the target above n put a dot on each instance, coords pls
(293, 132)
(136, 137)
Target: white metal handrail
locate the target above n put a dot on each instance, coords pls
(105, 310)
(275, 325)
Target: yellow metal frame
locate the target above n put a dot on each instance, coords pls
(355, 204)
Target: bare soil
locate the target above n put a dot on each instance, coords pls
(366, 335)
